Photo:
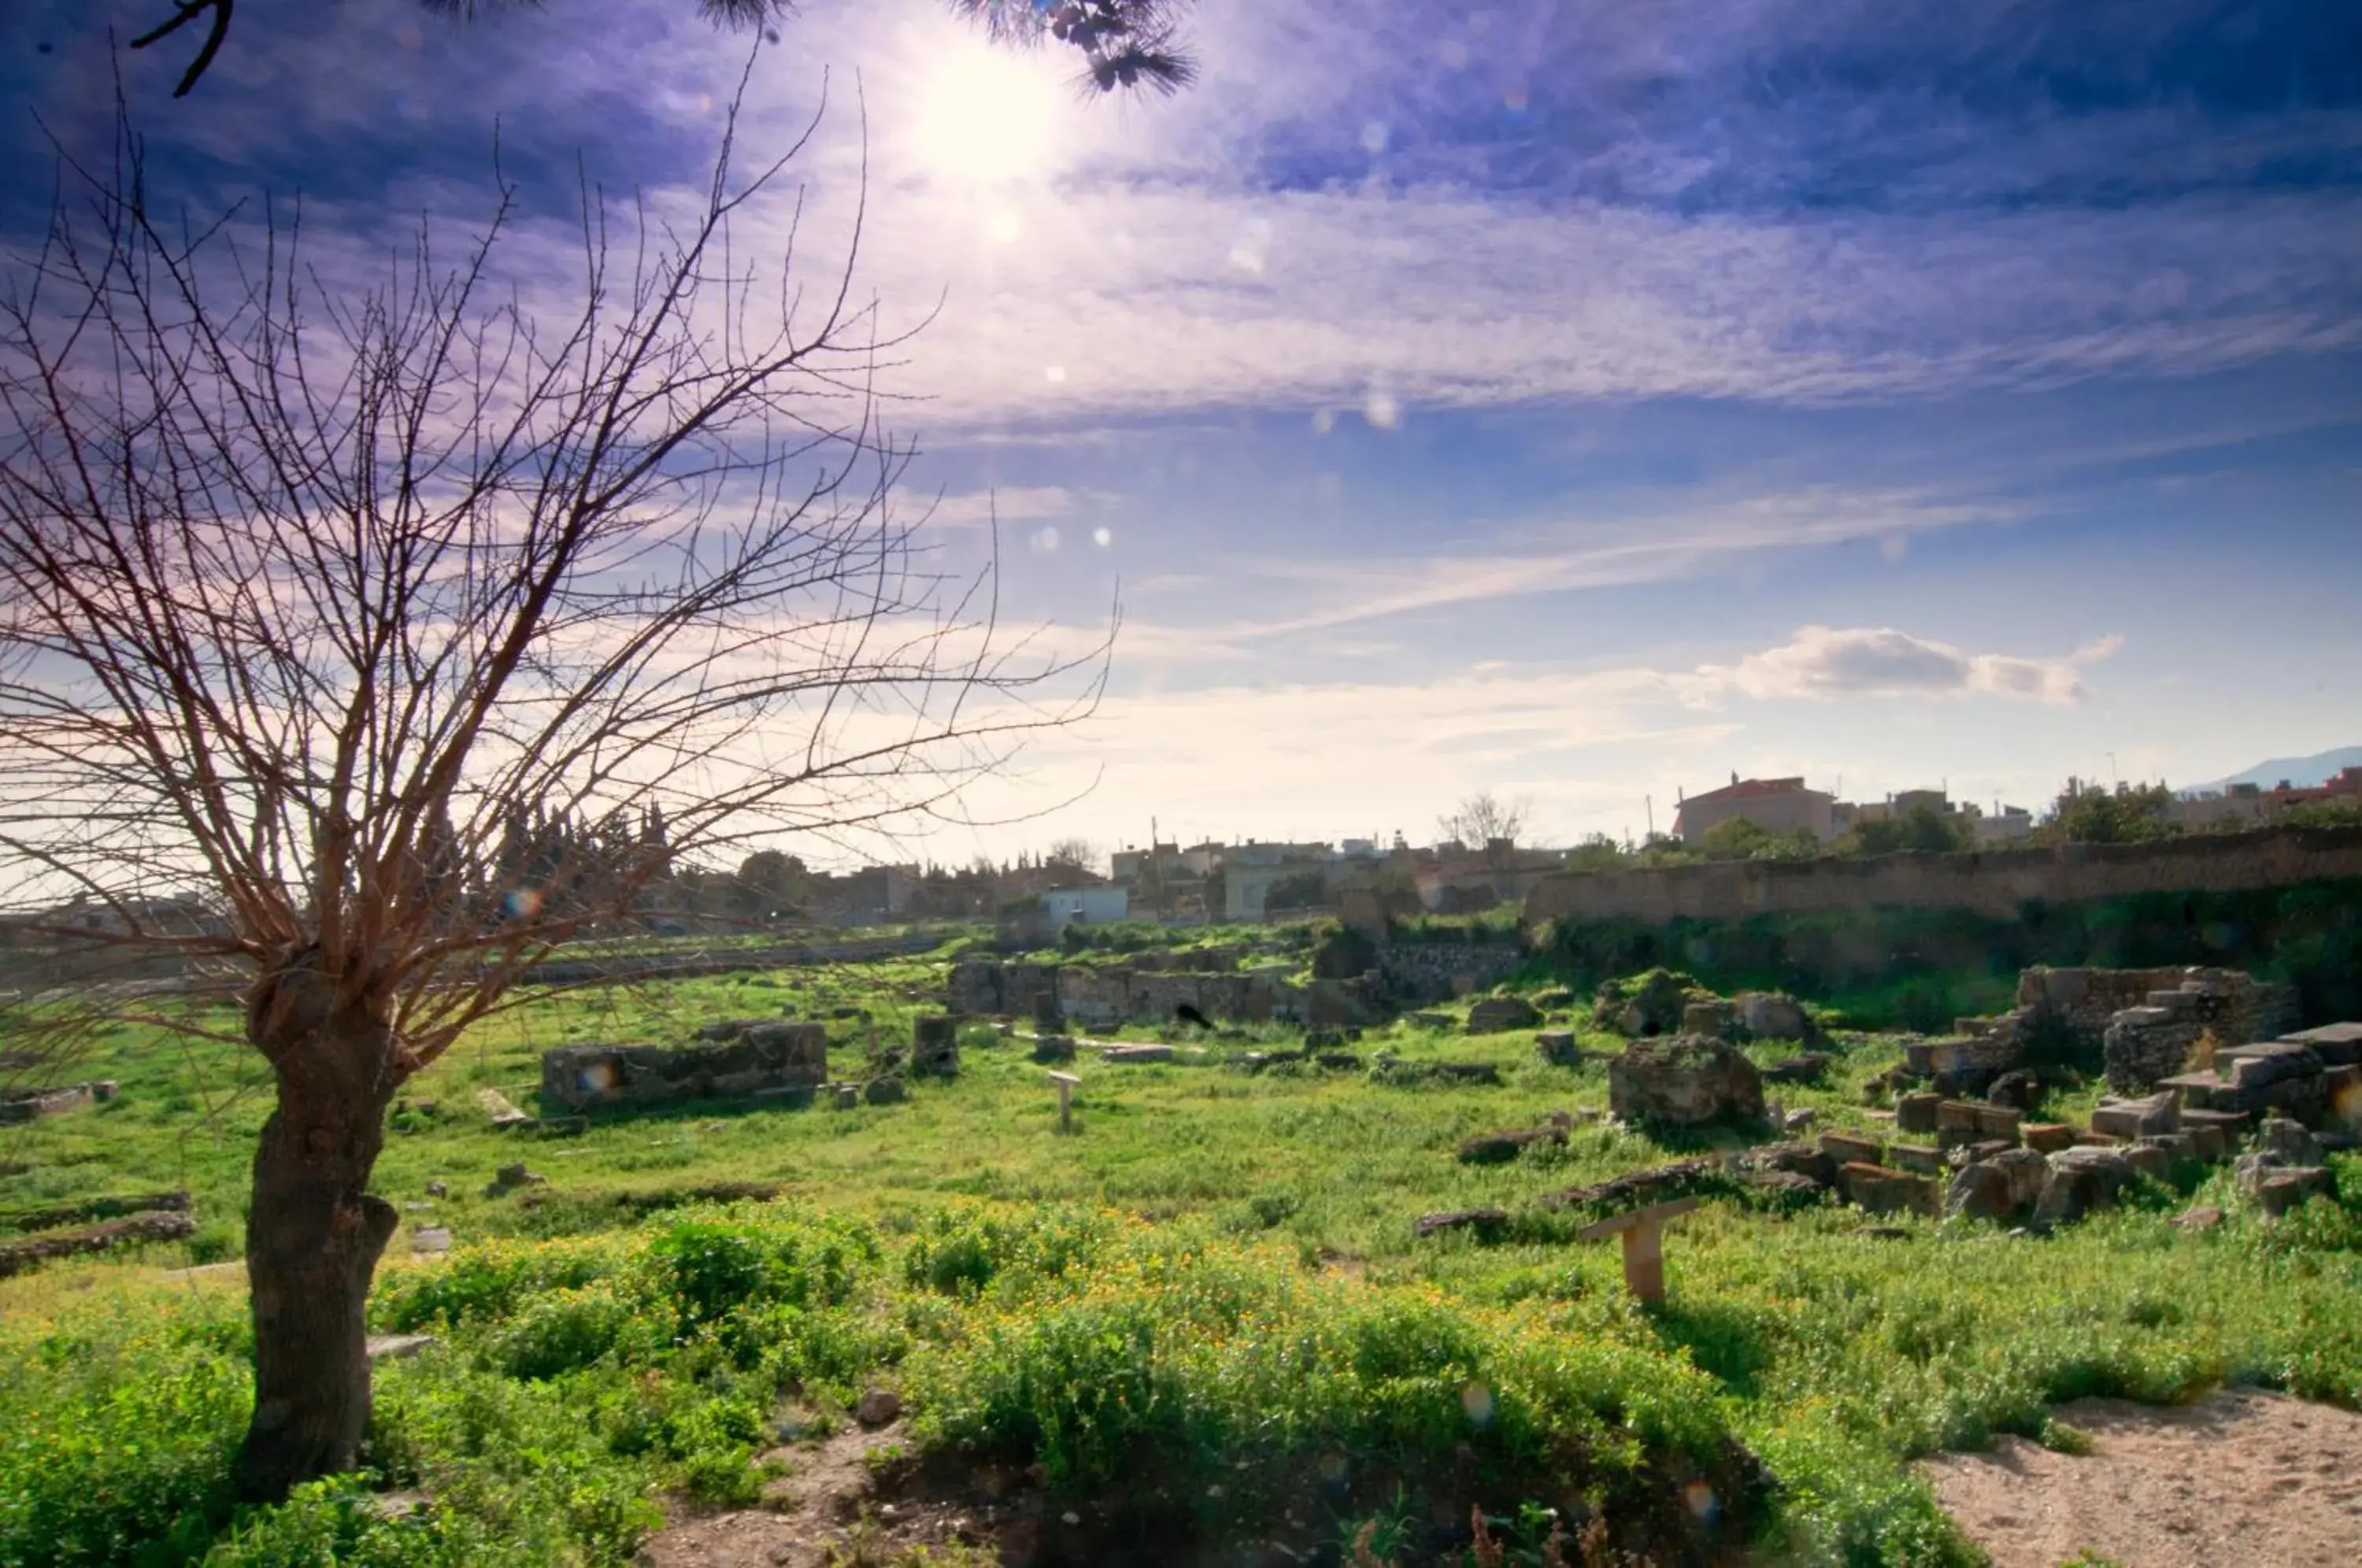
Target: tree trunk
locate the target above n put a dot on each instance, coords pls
(313, 1233)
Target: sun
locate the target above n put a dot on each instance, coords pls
(979, 115)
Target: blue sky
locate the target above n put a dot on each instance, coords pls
(1578, 400)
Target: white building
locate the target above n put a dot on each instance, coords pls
(1091, 906)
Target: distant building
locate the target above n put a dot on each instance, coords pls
(1501, 873)
(1088, 906)
(2347, 785)
(2238, 806)
(1775, 805)
(2005, 824)
(865, 897)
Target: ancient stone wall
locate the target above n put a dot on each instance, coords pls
(1417, 973)
(1991, 883)
(1154, 988)
(762, 1057)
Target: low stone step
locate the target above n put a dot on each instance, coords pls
(2337, 1043)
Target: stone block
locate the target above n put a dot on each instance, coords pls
(2206, 1143)
(1925, 1159)
(2288, 1141)
(2255, 1067)
(2138, 1118)
(1054, 1048)
(1845, 1150)
(934, 1045)
(2018, 1089)
(1879, 1190)
(1558, 1047)
(2338, 1044)
(2080, 1180)
(2230, 1123)
(1710, 1015)
(2088, 1139)
(1136, 1055)
(1499, 1148)
(2149, 1159)
(2282, 1189)
(1998, 1123)
(1774, 1015)
(1916, 1112)
(1999, 1188)
(1808, 1068)
(885, 1091)
(766, 1054)
(1484, 1222)
(1684, 1080)
(1494, 1014)
(1802, 1159)
(1956, 1122)
(1980, 1192)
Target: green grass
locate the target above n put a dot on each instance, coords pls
(1215, 1268)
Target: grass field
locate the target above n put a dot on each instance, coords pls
(1215, 1269)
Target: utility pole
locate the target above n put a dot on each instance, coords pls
(1648, 804)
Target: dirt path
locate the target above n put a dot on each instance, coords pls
(811, 1515)
(2239, 1477)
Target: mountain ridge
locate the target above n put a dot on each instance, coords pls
(2303, 772)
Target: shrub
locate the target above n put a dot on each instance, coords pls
(708, 1269)
(116, 1433)
(560, 1332)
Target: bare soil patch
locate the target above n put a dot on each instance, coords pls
(2240, 1476)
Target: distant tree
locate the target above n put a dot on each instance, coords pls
(1922, 828)
(1297, 891)
(310, 590)
(1076, 854)
(1124, 44)
(1739, 839)
(2092, 814)
(1598, 852)
(1480, 819)
(772, 883)
(2318, 815)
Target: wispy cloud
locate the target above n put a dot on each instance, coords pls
(1216, 253)
(1012, 503)
(1295, 595)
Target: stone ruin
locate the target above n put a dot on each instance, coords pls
(1684, 1080)
(765, 1058)
(2276, 1106)
(1101, 996)
(1663, 1002)
(1151, 988)
(32, 1104)
(2142, 1024)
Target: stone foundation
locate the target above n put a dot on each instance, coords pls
(32, 1104)
(767, 1058)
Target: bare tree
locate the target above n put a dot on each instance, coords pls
(1480, 819)
(1073, 853)
(324, 603)
(1124, 44)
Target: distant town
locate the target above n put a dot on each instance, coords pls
(1476, 861)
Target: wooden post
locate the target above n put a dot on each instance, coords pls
(1644, 1230)
(1066, 1082)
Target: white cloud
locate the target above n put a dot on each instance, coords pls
(1824, 662)
(1009, 503)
